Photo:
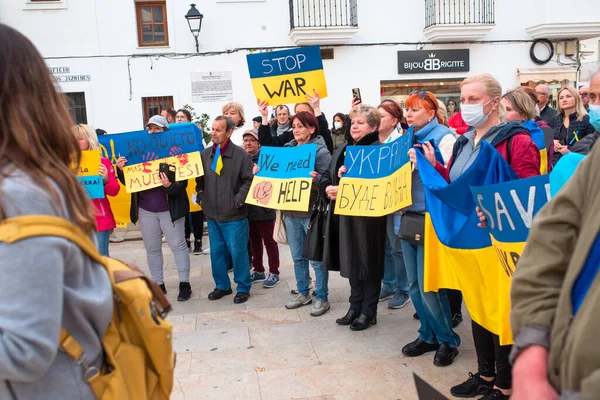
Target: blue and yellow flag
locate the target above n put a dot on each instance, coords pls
(457, 254)
(537, 135)
(217, 164)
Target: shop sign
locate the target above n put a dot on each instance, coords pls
(430, 61)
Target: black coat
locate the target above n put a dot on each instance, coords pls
(583, 129)
(177, 199)
(256, 213)
(356, 245)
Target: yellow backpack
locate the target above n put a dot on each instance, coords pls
(138, 352)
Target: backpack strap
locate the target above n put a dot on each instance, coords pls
(27, 226)
(508, 149)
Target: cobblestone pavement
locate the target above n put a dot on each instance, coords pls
(260, 350)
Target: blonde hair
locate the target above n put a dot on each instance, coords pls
(373, 115)
(579, 109)
(237, 107)
(87, 133)
(490, 86)
(521, 102)
(443, 111)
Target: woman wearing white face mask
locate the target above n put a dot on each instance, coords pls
(482, 110)
(338, 132)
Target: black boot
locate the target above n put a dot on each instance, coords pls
(197, 247)
(163, 288)
(348, 319)
(185, 291)
(363, 322)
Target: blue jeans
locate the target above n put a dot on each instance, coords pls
(229, 242)
(433, 307)
(103, 238)
(394, 273)
(296, 232)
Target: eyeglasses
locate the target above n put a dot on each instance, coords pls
(425, 96)
(541, 94)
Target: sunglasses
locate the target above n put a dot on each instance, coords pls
(425, 96)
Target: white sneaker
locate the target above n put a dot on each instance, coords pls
(164, 239)
(116, 239)
(319, 308)
(298, 301)
(206, 251)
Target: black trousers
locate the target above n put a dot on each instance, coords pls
(492, 359)
(364, 295)
(455, 299)
(197, 221)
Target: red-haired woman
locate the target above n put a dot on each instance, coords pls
(435, 333)
(305, 127)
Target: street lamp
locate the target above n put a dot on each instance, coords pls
(194, 19)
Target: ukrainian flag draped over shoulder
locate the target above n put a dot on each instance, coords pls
(459, 254)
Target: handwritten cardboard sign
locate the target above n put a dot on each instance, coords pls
(287, 76)
(378, 181)
(283, 181)
(180, 146)
(88, 174)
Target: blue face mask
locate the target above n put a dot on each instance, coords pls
(594, 114)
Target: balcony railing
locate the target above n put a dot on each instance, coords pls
(459, 12)
(323, 13)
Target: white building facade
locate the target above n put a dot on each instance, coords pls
(120, 61)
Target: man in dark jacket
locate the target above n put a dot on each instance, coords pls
(222, 194)
(262, 224)
(547, 113)
(282, 123)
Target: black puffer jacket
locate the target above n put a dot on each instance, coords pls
(256, 213)
(179, 204)
(567, 136)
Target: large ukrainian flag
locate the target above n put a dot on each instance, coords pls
(459, 254)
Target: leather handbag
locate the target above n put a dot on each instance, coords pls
(412, 228)
(315, 236)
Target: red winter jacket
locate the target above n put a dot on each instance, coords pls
(524, 154)
(104, 216)
(456, 121)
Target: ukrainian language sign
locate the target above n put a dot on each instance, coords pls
(287, 76)
(378, 180)
(283, 181)
(88, 174)
(421, 61)
(179, 146)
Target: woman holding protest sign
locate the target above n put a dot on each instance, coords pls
(45, 281)
(483, 110)
(433, 308)
(305, 128)
(362, 248)
(162, 210)
(194, 219)
(105, 221)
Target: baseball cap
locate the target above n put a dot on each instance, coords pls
(158, 120)
(251, 132)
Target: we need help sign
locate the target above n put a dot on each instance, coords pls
(287, 76)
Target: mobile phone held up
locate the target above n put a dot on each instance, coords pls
(167, 169)
(356, 94)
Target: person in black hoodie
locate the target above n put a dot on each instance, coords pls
(262, 224)
(162, 210)
(360, 254)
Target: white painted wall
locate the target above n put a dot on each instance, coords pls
(108, 27)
